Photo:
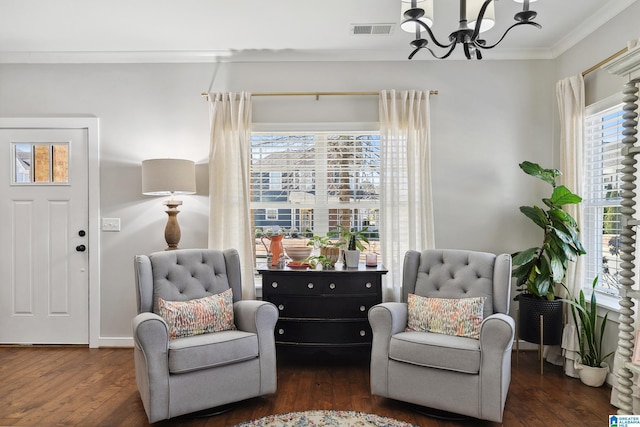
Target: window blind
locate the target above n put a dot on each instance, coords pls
(601, 199)
(305, 183)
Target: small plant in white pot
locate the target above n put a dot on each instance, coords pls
(352, 242)
(592, 367)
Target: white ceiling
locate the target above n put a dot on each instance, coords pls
(251, 30)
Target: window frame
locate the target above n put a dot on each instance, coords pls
(593, 225)
(305, 210)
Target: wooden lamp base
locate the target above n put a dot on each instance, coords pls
(172, 230)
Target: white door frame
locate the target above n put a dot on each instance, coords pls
(91, 124)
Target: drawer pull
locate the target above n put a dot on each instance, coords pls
(332, 286)
(310, 285)
(281, 307)
(362, 333)
(368, 285)
(363, 308)
(274, 284)
(281, 331)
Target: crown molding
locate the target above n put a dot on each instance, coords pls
(256, 56)
(608, 11)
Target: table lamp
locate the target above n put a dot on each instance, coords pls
(168, 177)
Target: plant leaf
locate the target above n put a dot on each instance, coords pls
(536, 214)
(524, 257)
(537, 171)
(563, 196)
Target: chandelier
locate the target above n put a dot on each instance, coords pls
(476, 17)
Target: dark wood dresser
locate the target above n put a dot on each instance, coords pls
(323, 309)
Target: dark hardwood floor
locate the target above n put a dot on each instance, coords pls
(57, 386)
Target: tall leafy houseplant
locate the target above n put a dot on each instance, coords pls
(540, 269)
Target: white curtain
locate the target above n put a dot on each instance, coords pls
(570, 96)
(406, 209)
(229, 175)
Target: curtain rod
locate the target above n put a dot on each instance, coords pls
(316, 94)
(604, 61)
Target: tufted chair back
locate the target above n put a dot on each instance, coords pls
(186, 274)
(459, 274)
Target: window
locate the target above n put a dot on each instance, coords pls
(305, 183)
(40, 163)
(601, 201)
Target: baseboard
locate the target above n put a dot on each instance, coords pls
(115, 342)
(525, 346)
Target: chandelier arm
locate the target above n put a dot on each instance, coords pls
(535, 24)
(431, 35)
(476, 31)
(446, 55)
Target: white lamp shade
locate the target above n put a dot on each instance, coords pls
(489, 19)
(427, 18)
(163, 177)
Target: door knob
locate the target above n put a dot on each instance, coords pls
(81, 248)
(81, 233)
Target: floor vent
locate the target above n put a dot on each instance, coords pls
(371, 29)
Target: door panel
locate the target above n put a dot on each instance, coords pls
(44, 280)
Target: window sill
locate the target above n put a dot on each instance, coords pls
(607, 304)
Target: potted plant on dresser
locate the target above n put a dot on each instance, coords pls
(592, 368)
(540, 270)
(352, 242)
(329, 251)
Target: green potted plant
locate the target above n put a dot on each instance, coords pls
(592, 367)
(329, 251)
(353, 243)
(540, 270)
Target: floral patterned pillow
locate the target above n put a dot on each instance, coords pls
(198, 316)
(461, 316)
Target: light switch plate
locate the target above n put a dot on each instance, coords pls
(110, 224)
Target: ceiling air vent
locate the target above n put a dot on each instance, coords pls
(371, 29)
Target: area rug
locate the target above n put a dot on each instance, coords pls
(325, 418)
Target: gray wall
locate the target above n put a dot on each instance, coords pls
(488, 117)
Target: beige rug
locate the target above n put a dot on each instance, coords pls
(325, 418)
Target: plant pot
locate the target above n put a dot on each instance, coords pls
(529, 319)
(593, 376)
(352, 258)
(332, 253)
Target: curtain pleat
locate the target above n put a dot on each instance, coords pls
(229, 175)
(406, 206)
(570, 98)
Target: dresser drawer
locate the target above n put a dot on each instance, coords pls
(351, 284)
(323, 333)
(327, 307)
(330, 284)
(291, 284)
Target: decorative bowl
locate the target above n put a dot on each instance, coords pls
(298, 253)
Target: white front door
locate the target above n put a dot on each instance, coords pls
(44, 280)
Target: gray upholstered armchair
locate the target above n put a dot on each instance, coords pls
(451, 373)
(194, 373)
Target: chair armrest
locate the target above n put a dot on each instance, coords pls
(260, 317)
(385, 319)
(388, 318)
(150, 333)
(255, 316)
(497, 332)
(496, 341)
